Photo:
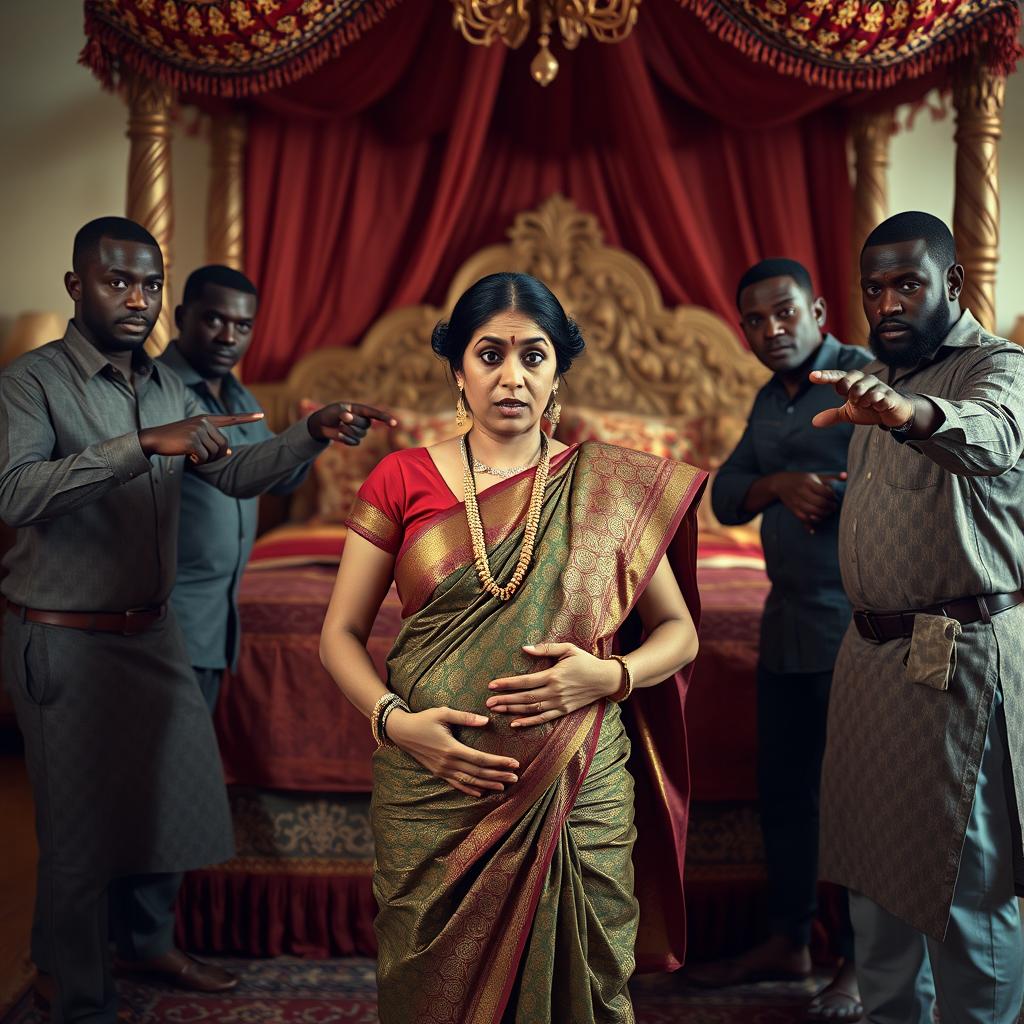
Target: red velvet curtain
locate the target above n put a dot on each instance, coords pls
(370, 181)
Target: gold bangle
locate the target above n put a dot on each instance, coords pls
(627, 683)
(381, 704)
(385, 717)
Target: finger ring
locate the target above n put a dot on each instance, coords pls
(537, 705)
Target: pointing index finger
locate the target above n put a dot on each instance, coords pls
(235, 418)
(372, 412)
(826, 376)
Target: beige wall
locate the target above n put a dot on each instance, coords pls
(64, 157)
(921, 178)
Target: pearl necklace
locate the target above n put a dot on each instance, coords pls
(476, 528)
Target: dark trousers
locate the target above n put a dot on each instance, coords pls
(136, 911)
(69, 942)
(209, 682)
(792, 714)
(120, 753)
(142, 906)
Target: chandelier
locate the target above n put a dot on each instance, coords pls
(483, 21)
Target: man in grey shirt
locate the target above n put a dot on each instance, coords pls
(94, 438)
(924, 765)
(216, 321)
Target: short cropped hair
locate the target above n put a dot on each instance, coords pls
(120, 229)
(912, 225)
(776, 268)
(219, 275)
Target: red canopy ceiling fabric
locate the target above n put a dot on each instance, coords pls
(369, 182)
(711, 138)
(226, 48)
(867, 44)
(230, 48)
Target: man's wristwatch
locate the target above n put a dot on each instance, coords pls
(900, 432)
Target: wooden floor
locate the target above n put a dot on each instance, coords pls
(17, 875)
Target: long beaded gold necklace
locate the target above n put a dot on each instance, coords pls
(476, 527)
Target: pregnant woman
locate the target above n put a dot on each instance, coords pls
(503, 811)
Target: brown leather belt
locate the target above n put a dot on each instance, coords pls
(129, 623)
(883, 626)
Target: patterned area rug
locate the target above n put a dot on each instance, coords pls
(291, 991)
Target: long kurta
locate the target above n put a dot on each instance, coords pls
(925, 522)
(120, 749)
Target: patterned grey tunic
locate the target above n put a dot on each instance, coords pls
(925, 522)
(120, 749)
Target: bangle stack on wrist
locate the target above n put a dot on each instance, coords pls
(380, 714)
(627, 681)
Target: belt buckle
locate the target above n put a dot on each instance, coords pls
(130, 614)
(865, 617)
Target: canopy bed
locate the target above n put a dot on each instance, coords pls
(365, 164)
(666, 380)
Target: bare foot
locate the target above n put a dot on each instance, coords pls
(776, 959)
(839, 1001)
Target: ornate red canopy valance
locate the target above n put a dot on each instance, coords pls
(225, 48)
(865, 44)
(234, 48)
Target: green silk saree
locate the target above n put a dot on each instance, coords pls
(520, 906)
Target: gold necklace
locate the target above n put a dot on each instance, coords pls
(506, 472)
(476, 528)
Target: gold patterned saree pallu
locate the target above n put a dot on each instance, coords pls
(518, 907)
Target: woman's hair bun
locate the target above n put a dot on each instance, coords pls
(507, 292)
(574, 339)
(439, 339)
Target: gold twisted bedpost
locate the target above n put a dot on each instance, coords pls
(150, 107)
(978, 95)
(225, 200)
(870, 134)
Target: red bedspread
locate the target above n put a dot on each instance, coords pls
(283, 724)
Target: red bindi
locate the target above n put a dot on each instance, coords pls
(512, 340)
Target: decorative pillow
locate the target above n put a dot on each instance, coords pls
(700, 443)
(669, 437)
(420, 429)
(341, 470)
(294, 544)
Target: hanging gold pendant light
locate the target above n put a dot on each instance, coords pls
(483, 21)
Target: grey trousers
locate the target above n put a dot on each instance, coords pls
(142, 906)
(125, 776)
(977, 974)
(136, 911)
(69, 942)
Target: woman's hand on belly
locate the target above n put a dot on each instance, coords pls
(576, 679)
(427, 736)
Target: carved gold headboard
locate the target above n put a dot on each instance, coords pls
(640, 357)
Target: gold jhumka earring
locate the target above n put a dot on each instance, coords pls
(553, 413)
(461, 414)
